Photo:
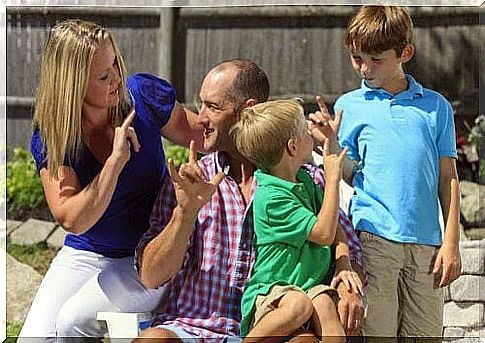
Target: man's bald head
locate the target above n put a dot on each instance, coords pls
(250, 82)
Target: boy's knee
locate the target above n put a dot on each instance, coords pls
(325, 302)
(300, 304)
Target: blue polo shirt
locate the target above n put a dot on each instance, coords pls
(117, 232)
(398, 141)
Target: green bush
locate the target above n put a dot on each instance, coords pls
(24, 189)
(177, 153)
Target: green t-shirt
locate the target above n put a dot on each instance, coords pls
(284, 214)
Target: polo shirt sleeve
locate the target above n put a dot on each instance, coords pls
(446, 137)
(283, 219)
(38, 151)
(347, 135)
(154, 98)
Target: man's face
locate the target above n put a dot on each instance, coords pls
(216, 112)
(380, 70)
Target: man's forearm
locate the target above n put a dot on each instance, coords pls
(164, 255)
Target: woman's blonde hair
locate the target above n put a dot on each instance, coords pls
(64, 76)
(263, 131)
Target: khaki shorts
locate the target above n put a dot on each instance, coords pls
(267, 303)
(402, 292)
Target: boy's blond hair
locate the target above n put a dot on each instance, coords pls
(64, 76)
(263, 131)
(374, 29)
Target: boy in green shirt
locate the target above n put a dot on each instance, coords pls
(295, 227)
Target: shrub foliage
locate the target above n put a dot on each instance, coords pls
(24, 189)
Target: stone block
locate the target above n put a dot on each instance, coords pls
(22, 284)
(453, 332)
(33, 231)
(472, 196)
(475, 233)
(467, 288)
(473, 256)
(464, 314)
(56, 240)
(12, 225)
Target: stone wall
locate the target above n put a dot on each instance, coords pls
(464, 309)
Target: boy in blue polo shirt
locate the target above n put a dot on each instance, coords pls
(402, 137)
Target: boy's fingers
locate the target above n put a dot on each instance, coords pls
(437, 264)
(128, 119)
(445, 277)
(321, 104)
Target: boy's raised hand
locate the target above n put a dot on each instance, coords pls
(322, 125)
(191, 188)
(332, 163)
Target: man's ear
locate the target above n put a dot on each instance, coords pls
(249, 103)
(407, 53)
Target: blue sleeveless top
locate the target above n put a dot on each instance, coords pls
(117, 232)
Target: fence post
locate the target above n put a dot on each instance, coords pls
(165, 39)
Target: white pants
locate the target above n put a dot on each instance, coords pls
(77, 285)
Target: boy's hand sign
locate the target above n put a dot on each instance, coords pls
(332, 163)
(321, 123)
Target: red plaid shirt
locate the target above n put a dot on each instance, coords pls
(206, 293)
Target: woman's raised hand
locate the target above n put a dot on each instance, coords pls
(125, 137)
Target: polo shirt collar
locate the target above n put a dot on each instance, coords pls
(265, 179)
(415, 90)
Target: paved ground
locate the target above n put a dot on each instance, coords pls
(22, 280)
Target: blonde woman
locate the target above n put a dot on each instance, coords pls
(98, 151)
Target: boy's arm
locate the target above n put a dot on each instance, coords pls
(448, 260)
(325, 228)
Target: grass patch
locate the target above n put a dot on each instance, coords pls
(13, 330)
(38, 256)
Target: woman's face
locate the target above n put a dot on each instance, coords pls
(104, 79)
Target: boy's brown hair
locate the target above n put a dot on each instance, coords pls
(374, 29)
(263, 131)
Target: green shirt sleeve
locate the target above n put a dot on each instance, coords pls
(282, 218)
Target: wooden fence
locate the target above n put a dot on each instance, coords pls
(300, 47)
